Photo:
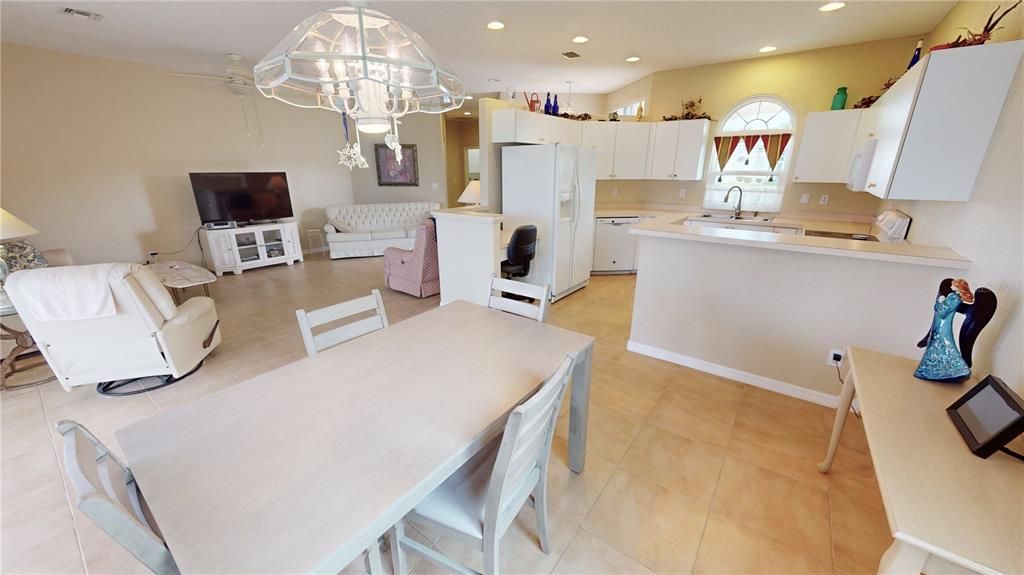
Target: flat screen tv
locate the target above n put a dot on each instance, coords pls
(241, 197)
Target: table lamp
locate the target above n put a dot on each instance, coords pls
(10, 228)
(471, 195)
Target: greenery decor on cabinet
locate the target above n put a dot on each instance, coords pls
(691, 111)
(866, 101)
(974, 38)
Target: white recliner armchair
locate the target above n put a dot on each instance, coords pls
(112, 322)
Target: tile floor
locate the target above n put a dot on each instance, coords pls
(686, 472)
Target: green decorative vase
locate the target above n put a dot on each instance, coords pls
(839, 100)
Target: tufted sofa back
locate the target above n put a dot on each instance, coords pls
(377, 217)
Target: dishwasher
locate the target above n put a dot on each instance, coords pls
(614, 246)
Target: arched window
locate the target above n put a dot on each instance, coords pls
(752, 150)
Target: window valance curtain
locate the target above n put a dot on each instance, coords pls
(774, 146)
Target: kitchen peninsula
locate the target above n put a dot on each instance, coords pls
(766, 308)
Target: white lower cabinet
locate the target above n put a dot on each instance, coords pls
(237, 249)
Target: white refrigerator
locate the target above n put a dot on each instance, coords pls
(552, 187)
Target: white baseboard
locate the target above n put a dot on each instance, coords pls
(748, 378)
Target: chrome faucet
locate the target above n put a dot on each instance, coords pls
(739, 204)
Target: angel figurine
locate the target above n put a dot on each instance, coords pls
(942, 361)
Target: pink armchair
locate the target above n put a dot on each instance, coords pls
(415, 271)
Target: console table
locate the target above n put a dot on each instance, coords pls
(237, 249)
(947, 509)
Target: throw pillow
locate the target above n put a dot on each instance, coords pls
(340, 226)
(21, 255)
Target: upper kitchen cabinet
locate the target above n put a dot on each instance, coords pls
(630, 159)
(515, 126)
(601, 135)
(827, 145)
(934, 124)
(677, 150)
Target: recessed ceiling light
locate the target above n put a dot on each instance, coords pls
(832, 6)
(495, 80)
(468, 97)
(580, 40)
(767, 49)
(495, 25)
(466, 114)
(632, 59)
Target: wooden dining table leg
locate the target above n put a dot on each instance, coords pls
(842, 410)
(579, 408)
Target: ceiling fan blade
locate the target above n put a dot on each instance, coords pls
(205, 76)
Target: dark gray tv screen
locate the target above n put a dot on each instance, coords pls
(241, 196)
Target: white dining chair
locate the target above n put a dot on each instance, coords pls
(501, 286)
(108, 495)
(479, 502)
(318, 342)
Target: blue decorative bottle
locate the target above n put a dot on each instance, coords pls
(547, 105)
(916, 56)
(554, 107)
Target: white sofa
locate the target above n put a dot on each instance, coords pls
(357, 230)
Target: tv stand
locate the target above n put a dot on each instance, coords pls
(252, 246)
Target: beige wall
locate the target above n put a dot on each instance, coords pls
(98, 160)
(593, 104)
(805, 80)
(989, 229)
(423, 130)
(459, 135)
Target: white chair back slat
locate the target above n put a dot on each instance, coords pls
(539, 293)
(525, 448)
(309, 320)
(341, 310)
(108, 495)
(346, 332)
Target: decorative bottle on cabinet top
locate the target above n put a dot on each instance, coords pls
(839, 100)
(547, 105)
(916, 56)
(554, 107)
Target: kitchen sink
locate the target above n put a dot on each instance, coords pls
(731, 219)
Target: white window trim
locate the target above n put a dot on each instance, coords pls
(637, 103)
(781, 177)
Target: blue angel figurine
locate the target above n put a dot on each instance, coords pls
(942, 361)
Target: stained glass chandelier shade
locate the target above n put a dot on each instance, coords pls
(360, 63)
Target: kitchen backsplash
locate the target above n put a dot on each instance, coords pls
(841, 200)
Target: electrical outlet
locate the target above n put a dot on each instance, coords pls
(615, 192)
(682, 192)
(804, 198)
(823, 200)
(835, 357)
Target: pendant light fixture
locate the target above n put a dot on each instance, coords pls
(364, 65)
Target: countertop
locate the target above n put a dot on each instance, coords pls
(655, 210)
(664, 226)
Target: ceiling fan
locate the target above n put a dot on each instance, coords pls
(238, 80)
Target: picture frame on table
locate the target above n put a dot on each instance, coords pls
(392, 173)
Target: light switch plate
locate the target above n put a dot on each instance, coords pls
(682, 192)
(615, 192)
(805, 198)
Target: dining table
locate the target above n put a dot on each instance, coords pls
(302, 468)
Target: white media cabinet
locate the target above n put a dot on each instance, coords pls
(253, 246)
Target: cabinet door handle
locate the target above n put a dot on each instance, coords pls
(796, 178)
(872, 184)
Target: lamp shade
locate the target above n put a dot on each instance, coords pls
(11, 227)
(471, 195)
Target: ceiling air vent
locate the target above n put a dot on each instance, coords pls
(94, 16)
(570, 55)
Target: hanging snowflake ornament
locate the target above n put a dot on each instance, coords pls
(351, 156)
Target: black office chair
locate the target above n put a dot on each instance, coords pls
(519, 253)
(522, 247)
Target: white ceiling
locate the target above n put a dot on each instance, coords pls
(195, 36)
